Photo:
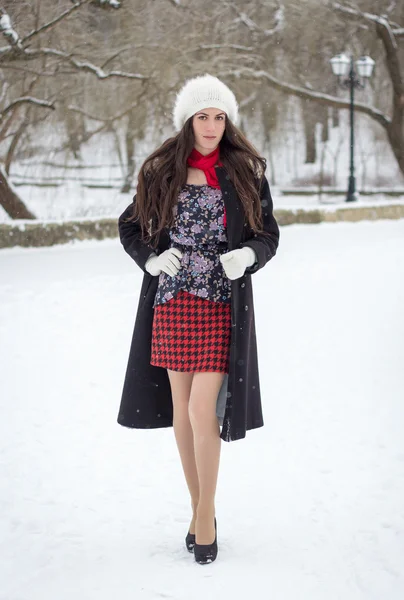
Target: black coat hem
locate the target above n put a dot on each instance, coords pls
(163, 423)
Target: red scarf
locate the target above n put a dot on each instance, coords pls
(207, 165)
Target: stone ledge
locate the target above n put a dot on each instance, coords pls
(331, 214)
(40, 233)
(48, 233)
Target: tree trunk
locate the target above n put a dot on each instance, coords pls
(334, 116)
(10, 201)
(130, 138)
(15, 141)
(396, 137)
(76, 131)
(395, 130)
(325, 133)
(309, 121)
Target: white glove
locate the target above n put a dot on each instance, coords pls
(167, 261)
(235, 262)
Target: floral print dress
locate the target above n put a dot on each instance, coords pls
(199, 232)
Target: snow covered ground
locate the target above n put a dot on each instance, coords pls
(309, 507)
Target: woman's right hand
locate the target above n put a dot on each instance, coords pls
(167, 261)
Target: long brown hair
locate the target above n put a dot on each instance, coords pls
(164, 173)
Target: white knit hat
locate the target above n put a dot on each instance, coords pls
(201, 92)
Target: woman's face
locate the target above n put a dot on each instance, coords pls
(208, 125)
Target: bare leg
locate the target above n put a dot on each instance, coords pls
(207, 444)
(180, 390)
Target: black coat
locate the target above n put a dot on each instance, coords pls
(146, 398)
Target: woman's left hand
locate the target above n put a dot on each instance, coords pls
(235, 262)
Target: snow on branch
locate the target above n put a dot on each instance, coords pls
(107, 3)
(7, 29)
(83, 65)
(28, 54)
(377, 19)
(399, 32)
(279, 17)
(13, 37)
(26, 100)
(16, 51)
(319, 97)
(385, 31)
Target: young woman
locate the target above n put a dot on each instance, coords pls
(199, 226)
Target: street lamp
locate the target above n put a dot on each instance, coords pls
(343, 66)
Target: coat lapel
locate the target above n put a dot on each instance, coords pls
(234, 209)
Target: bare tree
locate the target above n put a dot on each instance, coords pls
(32, 65)
(390, 34)
(88, 71)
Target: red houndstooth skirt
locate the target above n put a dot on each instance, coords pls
(191, 334)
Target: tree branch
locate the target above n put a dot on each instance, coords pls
(16, 42)
(78, 4)
(79, 110)
(387, 36)
(28, 54)
(279, 17)
(319, 97)
(16, 51)
(217, 47)
(26, 100)
(380, 20)
(107, 3)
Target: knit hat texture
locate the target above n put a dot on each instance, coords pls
(202, 92)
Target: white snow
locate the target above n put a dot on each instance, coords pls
(309, 507)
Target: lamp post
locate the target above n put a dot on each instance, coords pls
(343, 66)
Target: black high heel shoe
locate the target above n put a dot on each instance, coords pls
(190, 541)
(206, 553)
